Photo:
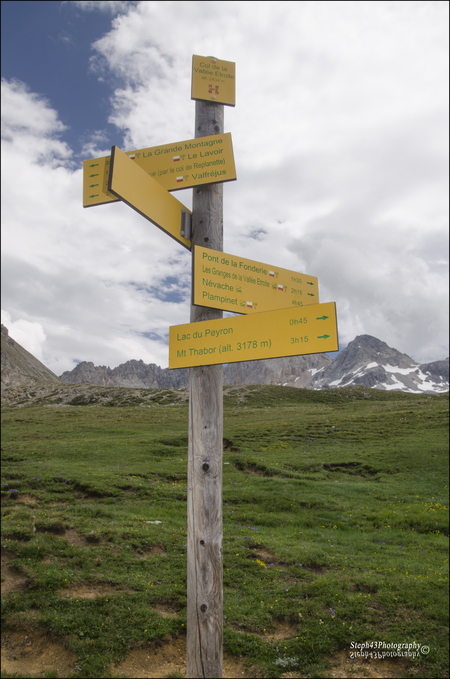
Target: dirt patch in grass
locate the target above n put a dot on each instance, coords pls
(155, 550)
(229, 447)
(16, 499)
(161, 659)
(266, 557)
(27, 649)
(72, 536)
(168, 609)
(92, 590)
(158, 550)
(55, 528)
(12, 579)
(26, 499)
(7, 556)
(283, 629)
(361, 587)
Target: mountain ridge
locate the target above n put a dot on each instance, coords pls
(370, 362)
(366, 361)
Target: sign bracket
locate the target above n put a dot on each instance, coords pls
(186, 224)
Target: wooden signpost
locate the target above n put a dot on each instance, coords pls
(281, 317)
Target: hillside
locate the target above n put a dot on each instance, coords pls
(335, 519)
(19, 367)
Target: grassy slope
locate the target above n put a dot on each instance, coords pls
(335, 523)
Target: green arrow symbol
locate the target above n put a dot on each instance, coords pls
(94, 175)
(309, 283)
(96, 195)
(94, 165)
(321, 318)
(323, 336)
(310, 294)
(92, 186)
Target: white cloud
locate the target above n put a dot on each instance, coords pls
(340, 136)
(30, 126)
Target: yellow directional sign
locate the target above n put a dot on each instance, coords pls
(135, 187)
(95, 182)
(231, 283)
(181, 165)
(213, 80)
(271, 334)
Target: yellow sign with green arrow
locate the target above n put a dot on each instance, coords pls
(176, 166)
(271, 334)
(232, 283)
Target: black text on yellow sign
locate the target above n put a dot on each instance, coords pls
(230, 283)
(176, 166)
(271, 334)
(136, 188)
(213, 80)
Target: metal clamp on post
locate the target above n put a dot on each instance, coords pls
(186, 224)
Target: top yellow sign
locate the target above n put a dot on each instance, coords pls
(214, 80)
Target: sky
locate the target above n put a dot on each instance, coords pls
(340, 140)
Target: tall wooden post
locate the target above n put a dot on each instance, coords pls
(205, 532)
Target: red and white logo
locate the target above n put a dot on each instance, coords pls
(280, 287)
(132, 156)
(179, 179)
(249, 305)
(176, 159)
(272, 274)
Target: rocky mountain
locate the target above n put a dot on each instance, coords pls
(372, 363)
(366, 361)
(130, 374)
(19, 367)
(292, 371)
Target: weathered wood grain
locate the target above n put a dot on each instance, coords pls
(204, 545)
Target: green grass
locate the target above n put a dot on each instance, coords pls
(335, 523)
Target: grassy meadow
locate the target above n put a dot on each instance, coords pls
(335, 526)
